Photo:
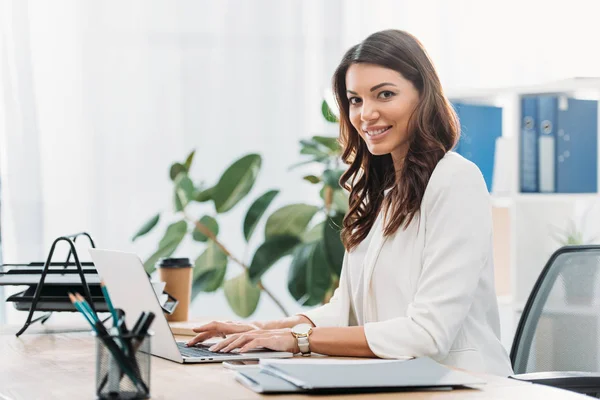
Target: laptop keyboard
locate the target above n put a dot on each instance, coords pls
(201, 351)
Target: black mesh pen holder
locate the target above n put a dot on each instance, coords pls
(123, 366)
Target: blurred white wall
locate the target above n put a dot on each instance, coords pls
(484, 43)
(99, 98)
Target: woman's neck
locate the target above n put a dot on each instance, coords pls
(398, 157)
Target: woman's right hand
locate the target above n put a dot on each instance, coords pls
(221, 329)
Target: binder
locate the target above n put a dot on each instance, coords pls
(546, 140)
(480, 126)
(528, 145)
(577, 146)
(352, 376)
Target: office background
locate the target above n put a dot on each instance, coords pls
(97, 99)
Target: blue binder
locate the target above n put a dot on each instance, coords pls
(528, 171)
(546, 142)
(577, 146)
(480, 127)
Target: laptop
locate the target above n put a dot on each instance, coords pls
(131, 290)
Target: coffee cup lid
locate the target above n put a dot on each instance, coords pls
(174, 263)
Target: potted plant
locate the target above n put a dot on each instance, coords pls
(579, 271)
(309, 233)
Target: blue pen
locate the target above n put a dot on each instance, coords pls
(109, 303)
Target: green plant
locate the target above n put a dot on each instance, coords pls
(316, 247)
(317, 261)
(210, 266)
(573, 234)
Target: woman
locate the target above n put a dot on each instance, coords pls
(417, 278)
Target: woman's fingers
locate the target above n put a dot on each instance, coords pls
(211, 326)
(224, 327)
(224, 343)
(252, 344)
(237, 343)
(201, 337)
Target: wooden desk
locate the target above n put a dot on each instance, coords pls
(42, 365)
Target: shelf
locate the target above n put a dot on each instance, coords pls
(501, 201)
(508, 200)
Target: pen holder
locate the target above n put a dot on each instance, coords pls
(123, 366)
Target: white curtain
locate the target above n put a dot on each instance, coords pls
(101, 97)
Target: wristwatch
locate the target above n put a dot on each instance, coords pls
(301, 332)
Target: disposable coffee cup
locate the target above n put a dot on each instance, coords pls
(177, 274)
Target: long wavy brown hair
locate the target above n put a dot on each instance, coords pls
(433, 129)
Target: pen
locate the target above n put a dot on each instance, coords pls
(143, 330)
(138, 323)
(146, 324)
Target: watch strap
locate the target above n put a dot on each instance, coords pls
(304, 345)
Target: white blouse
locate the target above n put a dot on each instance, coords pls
(428, 290)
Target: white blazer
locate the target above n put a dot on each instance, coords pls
(428, 290)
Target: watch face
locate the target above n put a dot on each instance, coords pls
(301, 329)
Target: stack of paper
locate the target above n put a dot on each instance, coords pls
(334, 375)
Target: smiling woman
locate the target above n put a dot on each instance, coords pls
(417, 278)
(383, 109)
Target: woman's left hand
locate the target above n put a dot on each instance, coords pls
(274, 339)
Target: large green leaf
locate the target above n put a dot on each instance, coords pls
(332, 243)
(309, 276)
(313, 234)
(175, 232)
(332, 177)
(327, 113)
(330, 142)
(340, 201)
(147, 227)
(256, 211)
(314, 151)
(212, 226)
(168, 244)
(209, 270)
(236, 182)
(189, 160)
(204, 195)
(269, 253)
(176, 169)
(318, 277)
(242, 295)
(297, 272)
(312, 144)
(184, 191)
(290, 220)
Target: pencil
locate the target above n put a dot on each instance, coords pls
(81, 310)
(109, 304)
(86, 306)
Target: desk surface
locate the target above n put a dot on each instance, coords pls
(48, 363)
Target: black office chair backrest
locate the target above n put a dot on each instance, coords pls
(559, 329)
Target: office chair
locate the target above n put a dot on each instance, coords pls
(557, 342)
